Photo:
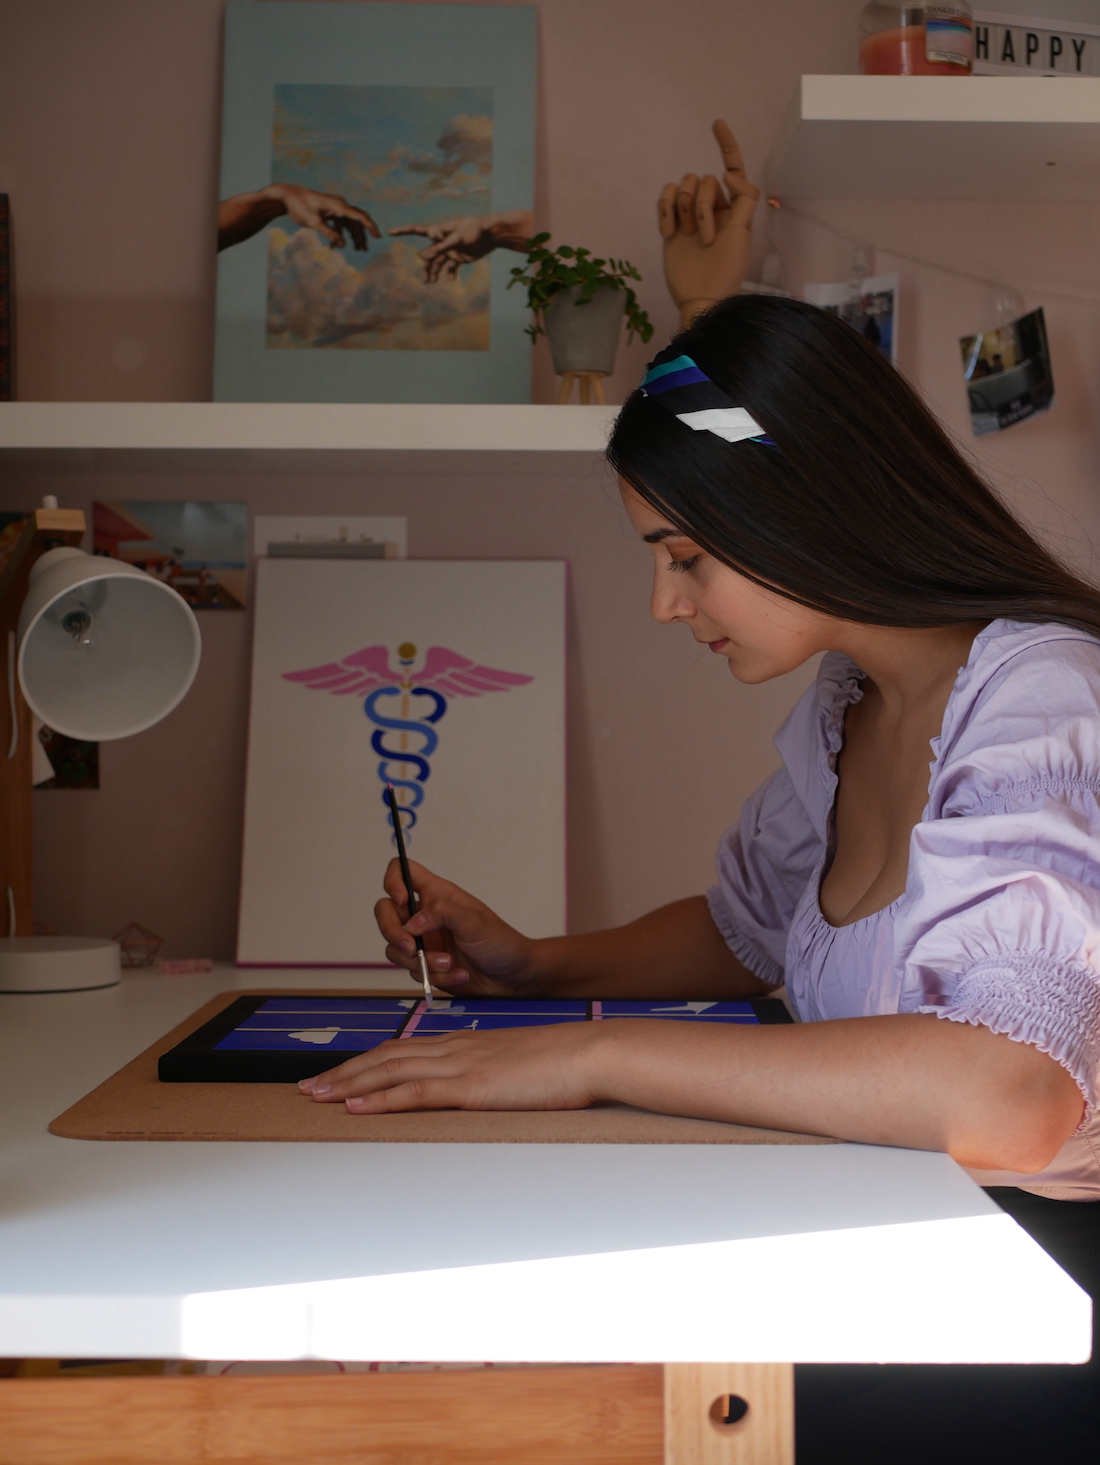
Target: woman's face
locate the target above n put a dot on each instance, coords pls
(761, 634)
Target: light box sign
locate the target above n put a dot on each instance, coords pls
(1021, 45)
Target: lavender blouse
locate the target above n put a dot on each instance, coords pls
(999, 924)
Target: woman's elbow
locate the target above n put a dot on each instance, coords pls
(1024, 1123)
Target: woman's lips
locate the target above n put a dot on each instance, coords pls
(718, 645)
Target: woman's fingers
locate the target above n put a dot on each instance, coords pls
(685, 203)
(415, 1094)
(391, 923)
(666, 210)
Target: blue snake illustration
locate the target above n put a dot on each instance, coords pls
(445, 674)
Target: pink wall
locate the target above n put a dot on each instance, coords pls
(108, 146)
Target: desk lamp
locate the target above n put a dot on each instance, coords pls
(97, 649)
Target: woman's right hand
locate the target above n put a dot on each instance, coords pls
(468, 945)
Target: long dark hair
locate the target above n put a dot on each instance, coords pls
(864, 510)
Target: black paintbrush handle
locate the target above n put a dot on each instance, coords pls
(403, 858)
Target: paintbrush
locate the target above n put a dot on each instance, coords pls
(421, 955)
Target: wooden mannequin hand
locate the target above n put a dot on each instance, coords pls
(469, 946)
(707, 235)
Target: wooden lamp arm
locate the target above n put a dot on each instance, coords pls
(45, 529)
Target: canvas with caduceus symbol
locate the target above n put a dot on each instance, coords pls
(444, 679)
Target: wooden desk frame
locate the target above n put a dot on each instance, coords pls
(613, 1414)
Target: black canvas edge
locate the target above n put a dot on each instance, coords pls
(769, 1010)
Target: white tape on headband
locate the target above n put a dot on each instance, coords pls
(732, 423)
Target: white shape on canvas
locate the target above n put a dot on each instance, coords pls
(458, 666)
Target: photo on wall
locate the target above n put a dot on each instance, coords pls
(377, 179)
(200, 549)
(1008, 374)
(872, 310)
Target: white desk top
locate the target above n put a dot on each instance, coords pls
(506, 1252)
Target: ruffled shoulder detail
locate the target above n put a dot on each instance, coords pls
(1023, 720)
(811, 737)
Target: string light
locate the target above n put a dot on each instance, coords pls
(1089, 298)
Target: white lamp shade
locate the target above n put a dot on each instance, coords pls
(131, 658)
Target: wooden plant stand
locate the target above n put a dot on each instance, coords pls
(642, 1414)
(590, 384)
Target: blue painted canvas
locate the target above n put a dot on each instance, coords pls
(377, 180)
(357, 1024)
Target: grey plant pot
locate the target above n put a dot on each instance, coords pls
(585, 337)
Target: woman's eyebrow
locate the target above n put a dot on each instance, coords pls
(657, 535)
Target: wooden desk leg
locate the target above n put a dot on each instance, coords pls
(698, 1404)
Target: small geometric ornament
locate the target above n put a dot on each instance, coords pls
(139, 946)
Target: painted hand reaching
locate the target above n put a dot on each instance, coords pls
(328, 213)
(461, 241)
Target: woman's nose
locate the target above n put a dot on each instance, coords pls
(667, 605)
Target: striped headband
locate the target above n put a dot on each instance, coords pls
(678, 385)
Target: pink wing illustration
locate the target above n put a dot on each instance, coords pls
(458, 676)
(360, 672)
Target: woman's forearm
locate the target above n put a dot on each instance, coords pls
(912, 1080)
(675, 951)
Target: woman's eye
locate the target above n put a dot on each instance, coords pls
(688, 564)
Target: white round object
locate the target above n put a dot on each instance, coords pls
(132, 662)
(58, 963)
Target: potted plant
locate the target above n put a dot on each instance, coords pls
(578, 302)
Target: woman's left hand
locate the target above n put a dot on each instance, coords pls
(506, 1068)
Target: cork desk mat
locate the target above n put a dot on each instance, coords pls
(133, 1104)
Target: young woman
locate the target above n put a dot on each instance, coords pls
(922, 872)
(946, 922)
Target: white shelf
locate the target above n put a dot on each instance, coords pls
(279, 426)
(980, 137)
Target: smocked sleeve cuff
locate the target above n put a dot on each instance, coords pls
(746, 951)
(1032, 998)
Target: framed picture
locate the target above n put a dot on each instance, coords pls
(377, 178)
(444, 678)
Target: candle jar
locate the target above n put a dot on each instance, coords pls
(916, 40)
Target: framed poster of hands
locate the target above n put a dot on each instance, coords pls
(377, 173)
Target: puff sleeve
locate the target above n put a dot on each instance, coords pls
(764, 864)
(1001, 927)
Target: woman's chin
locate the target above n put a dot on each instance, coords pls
(752, 670)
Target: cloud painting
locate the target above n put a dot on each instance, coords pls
(405, 155)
